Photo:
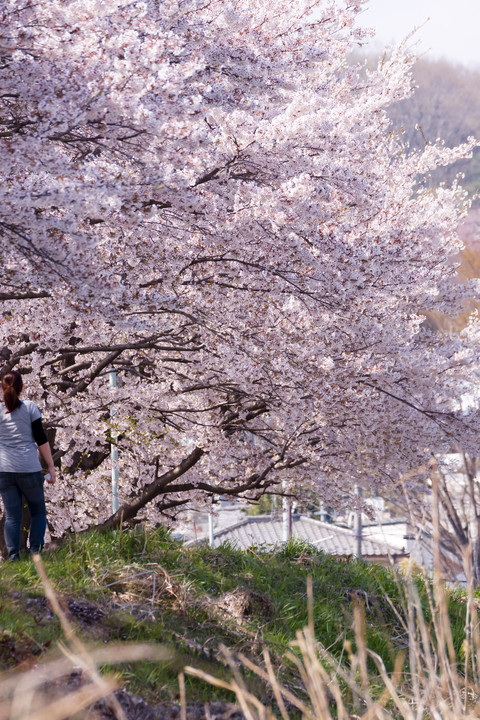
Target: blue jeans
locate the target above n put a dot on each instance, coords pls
(12, 487)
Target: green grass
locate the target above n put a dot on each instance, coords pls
(149, 587)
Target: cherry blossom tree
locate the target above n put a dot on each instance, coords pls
(206, 198)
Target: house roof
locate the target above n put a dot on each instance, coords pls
(264, 530)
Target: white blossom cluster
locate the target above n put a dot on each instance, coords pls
(207, 198)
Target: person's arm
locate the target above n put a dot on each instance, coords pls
(44, 447)
(46, 454)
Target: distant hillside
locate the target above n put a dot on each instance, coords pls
(469, 259)
(446, 105)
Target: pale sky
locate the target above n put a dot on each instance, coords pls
(453, 30)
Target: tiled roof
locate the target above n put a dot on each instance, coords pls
(264, 530)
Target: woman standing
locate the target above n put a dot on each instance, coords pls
(21, 431)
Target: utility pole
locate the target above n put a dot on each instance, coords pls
(358, 523)
(211, 534)
(286, 517)
(113, 446)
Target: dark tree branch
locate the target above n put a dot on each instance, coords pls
(24, 295)
(130, 509)
(428, 413)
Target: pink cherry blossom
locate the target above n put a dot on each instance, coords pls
(208, 199)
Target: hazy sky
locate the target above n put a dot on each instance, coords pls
(453, 30)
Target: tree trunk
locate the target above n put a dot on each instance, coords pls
(129, 509)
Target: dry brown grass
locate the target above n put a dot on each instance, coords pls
(44, 693)
(429, 686)
(428, 682)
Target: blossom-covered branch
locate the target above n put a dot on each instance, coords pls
(209, 200)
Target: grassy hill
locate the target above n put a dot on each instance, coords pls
(213, 611)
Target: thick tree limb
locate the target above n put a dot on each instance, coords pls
(30, 295)
(129, 509)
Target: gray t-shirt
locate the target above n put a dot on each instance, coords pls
(18, 449)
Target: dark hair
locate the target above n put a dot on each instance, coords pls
(12, 385)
